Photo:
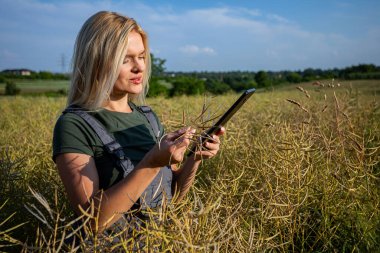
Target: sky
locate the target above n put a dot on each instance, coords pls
(196, 35)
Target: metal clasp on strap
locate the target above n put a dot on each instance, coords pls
(114, 147)
(120, 153)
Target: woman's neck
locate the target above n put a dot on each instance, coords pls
(118, 104)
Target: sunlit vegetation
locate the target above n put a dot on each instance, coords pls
(298, 172)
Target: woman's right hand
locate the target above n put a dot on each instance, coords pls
(171, 148)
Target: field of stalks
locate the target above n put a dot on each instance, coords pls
(298, 171)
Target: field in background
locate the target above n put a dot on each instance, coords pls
(38, 86)
(298, 171)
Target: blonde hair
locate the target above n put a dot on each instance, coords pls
(99, 51)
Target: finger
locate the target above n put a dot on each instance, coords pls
(184, 140)
(187, 133)
(212, 146)
(213, 139)
(181, 142)
(221, 131)
(191, 132)
(175, 135)
(205, 154)
(178, 152)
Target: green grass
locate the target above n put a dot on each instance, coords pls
(38, 86)
(298, 172)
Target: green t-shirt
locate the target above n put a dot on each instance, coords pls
(132, 130)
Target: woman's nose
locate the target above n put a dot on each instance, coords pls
(138, 66)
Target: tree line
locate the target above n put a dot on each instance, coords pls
(190, 83)
(169, 83)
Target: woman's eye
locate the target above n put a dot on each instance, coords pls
(127, 59)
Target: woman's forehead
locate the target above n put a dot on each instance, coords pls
(135, 44)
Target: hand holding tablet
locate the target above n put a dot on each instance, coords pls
(225, 117)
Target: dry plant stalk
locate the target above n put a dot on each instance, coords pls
(304, 91)
(298, 104)
(291, 187)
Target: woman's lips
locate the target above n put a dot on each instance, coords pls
(136, 80)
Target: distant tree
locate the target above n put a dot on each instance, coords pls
(187, 86)
(45, 75)
(62, 92)
(362, 68)
(330, 74)
(61, 76)
(361, 71)
(276, 78)
(309, 74)
(262, 79)
(2, 79)
(157, 89)
(239, 81)
(158, 68)
(216, 87)
(293, 77)
(11, 88)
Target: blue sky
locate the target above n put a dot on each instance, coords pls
(203, 35)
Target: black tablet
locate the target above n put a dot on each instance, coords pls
(227, 115)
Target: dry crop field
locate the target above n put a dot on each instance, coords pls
(298, 172)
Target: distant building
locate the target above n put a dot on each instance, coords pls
(18, 72)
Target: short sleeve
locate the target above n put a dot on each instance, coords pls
(72, 135)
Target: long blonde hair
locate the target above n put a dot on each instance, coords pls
(99, 51)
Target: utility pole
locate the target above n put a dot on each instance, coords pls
(63, 63)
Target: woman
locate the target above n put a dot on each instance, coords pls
(111, 68)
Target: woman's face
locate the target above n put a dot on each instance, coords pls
(130, 79)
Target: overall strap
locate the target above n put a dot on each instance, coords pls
(110, 144)
(161, 185)
(147, 111)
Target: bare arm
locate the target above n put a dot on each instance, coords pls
(81, 180)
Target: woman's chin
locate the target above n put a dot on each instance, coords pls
(135, 91)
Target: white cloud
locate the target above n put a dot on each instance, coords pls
(220, 17)
(208, 50)
(235, 36)
(154, 51)
(277, 18)
(252, 12)
(193, 50)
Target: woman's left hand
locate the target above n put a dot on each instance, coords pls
(211, 146)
